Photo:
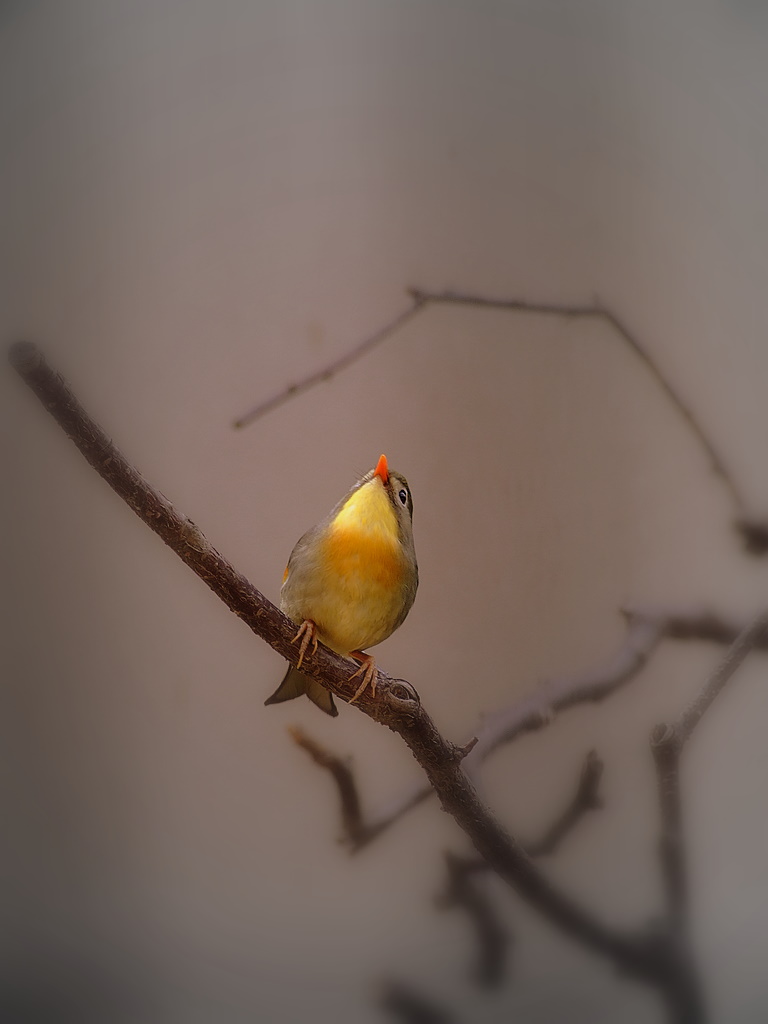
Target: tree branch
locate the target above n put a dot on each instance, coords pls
(596, 311)
(399, 700)
(753, 531)
(585, 799)
(493, 939)
(396, 704)
(536, 711)
(329, 371)
(341, 772)
(646, 628)
(754, 637)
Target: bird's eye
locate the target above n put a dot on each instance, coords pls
(403, 496)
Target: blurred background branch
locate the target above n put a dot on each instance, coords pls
(752, 529)
(646, 628)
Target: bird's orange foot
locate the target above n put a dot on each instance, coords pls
(368, 668)
(308, 633)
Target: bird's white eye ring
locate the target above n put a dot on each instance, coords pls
(403, 496)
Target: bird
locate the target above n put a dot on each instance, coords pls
(351, 581)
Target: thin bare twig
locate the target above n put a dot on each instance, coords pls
(597, 311)
(535, 711)
(331, 369)
(754, 637)
(341, 772)
(752, 530)
(646, 628)
(585, 799)
(460, 890)
(395, 705)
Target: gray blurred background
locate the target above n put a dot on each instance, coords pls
(203, 202)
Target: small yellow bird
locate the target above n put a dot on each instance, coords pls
(351, 580)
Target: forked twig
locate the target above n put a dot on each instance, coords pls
(341, 772)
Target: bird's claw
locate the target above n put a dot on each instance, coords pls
(368, 668)
(308, 633)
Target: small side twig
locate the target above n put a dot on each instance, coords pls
(585, 799)
(340, 770)
(753, 637)
(329, 371)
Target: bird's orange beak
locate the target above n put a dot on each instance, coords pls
(382, 470)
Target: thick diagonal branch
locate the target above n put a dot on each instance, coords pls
(190, 544)
(395, 705)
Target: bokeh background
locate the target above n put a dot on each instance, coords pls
(202, 203)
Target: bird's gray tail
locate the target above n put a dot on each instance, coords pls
(295, 683)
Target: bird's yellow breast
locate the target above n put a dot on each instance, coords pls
(363, 571)
(363, 539)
